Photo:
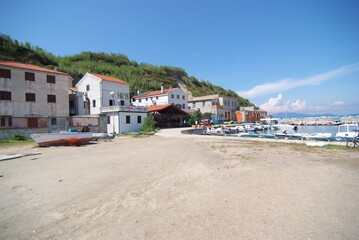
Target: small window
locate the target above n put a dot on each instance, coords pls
(177, 96)
(87, 87)
(111, 102)
(139, 100)
(32, 123)
(5, 95)
(156, 98)
(51, 98)
(146, 99)
(172, 96)
(183, 97)
(183, 106)
(5, 73)
(139, 119)
(203, 103)
(29, 76)
(128, 119)
(108, 119)
(51, 79)
(30, 97)
(93, 103)
(122, 102)
(5, 119)
(53, 121)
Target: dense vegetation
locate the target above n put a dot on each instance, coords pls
(142, 77)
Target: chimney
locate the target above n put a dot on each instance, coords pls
(162, 90)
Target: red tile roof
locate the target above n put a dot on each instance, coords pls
(108, 78)
(30, 67)
(158, 108)
(73, 89)
(154, 93)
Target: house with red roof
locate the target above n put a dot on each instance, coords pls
(173, 96)
(109, 96)
(32, 98)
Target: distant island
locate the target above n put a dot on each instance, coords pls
(284, 115)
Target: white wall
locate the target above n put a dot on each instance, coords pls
(164, 99)
(119, 118)
(18, 86)
(100, 92)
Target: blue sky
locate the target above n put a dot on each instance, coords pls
(286, 55)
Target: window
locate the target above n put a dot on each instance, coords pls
(183, 106)
(29, 76)
(32, 123)
(53, 121)
(5, 73)
(87, 87)
(30, 97)
(51, 98)
(183, 97)
(156, 98)
(93, 103)
(177, 96)
(122, 102)
(51, 79)
(5, 95)
(139, 119)
(139, 100)
(203, 103)
(111, 102)
(4, 120)
(172, 96)
(146, 99)
(108, 119)
(128, 119)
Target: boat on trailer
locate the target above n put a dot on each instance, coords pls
(64, 138)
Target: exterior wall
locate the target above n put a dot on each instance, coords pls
(249, 114)
(216, 105)
(119, 121)
(18, 86)
(175, 97)
(165, 98)
(6, 133)
(100, 92)
(122, 93)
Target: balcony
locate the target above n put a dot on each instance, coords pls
(110, 109)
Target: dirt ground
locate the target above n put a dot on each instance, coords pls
(172, 186)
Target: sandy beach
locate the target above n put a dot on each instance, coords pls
(173, 186)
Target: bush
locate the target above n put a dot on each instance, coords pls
(18, 137)
(148, 124)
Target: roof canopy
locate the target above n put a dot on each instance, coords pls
(168, 108)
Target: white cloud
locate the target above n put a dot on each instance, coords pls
(274, 105)
(338, 103)
(289, 83)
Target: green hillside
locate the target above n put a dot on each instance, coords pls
(142, 77)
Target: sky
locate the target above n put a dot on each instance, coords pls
(283, 55)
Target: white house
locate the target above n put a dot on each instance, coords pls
(110, 96)
(33, 97)
(173, 96)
